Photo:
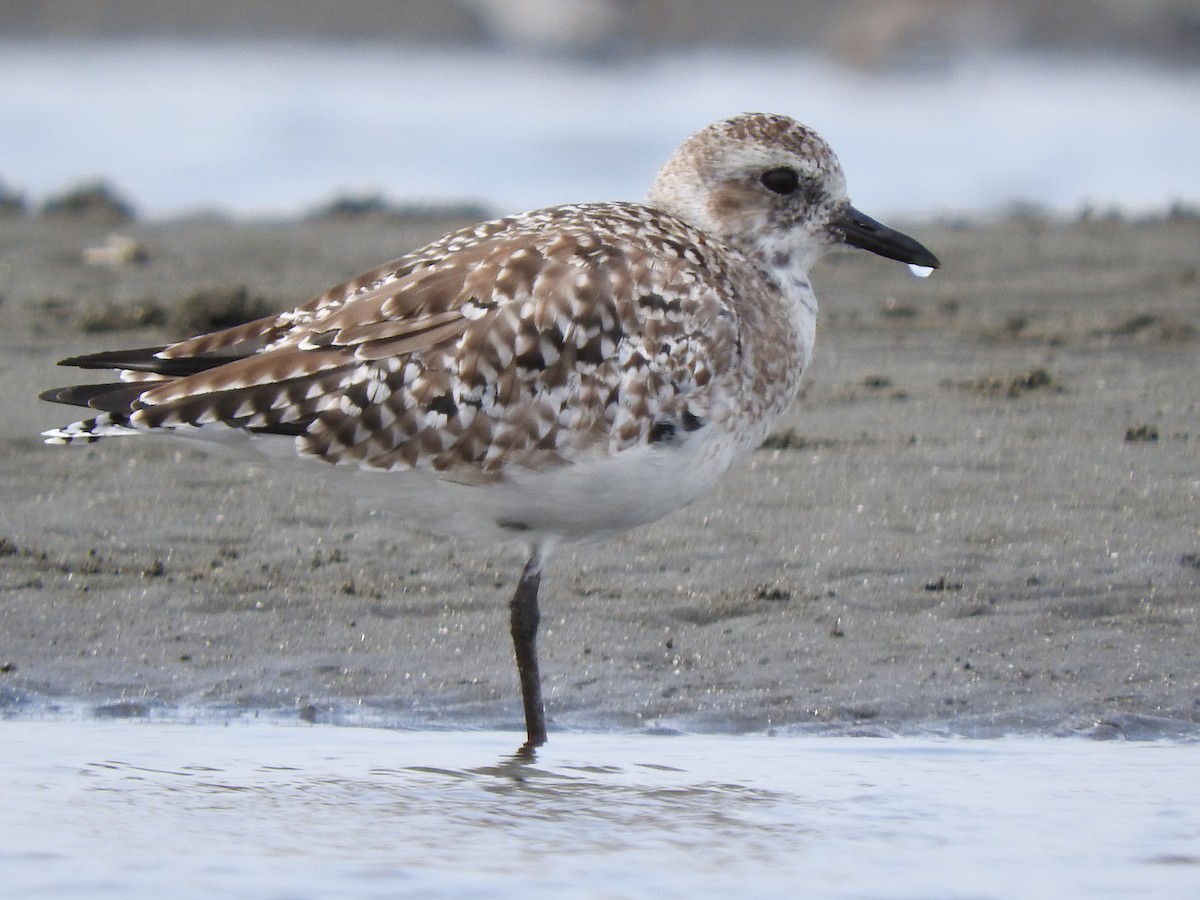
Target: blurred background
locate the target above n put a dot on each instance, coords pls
(272, 108)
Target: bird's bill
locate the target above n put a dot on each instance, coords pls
(860, 230)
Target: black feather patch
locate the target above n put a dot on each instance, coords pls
(288, 429)
(661, 432)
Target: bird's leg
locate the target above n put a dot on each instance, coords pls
(524, 617)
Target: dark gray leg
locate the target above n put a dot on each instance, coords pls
(524, 618)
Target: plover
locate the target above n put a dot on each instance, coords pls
(553, 377)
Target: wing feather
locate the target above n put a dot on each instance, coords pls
(518, 342)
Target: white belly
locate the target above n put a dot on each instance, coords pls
(591, 499)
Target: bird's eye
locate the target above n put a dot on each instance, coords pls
(781, 181)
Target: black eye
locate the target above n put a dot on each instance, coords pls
(781, 181)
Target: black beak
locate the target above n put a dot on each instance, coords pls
(859, 230)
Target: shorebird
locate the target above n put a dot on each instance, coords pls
(558, 376)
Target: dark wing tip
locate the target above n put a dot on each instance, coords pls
(146, 359)
(116, 359)
(115, 397)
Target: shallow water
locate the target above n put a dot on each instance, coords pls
(273, 127)
(121, 808)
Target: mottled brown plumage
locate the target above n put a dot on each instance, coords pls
(521, 342)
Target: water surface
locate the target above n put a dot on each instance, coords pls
(251, 809)
(274, 127)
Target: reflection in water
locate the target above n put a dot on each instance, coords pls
(119, 808)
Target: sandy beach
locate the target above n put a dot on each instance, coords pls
(980, 516)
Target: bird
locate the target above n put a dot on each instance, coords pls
(542, 379)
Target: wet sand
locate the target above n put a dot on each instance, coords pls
(980, 516)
